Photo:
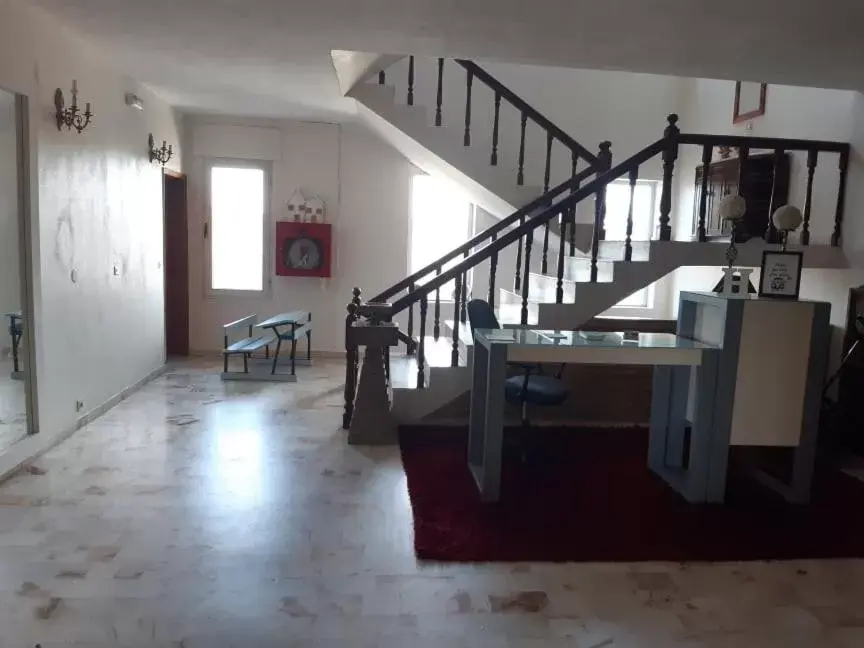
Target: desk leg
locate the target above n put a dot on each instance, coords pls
(485, 449)
(700, 476)
(276, 353)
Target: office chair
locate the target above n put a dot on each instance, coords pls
(532, 387)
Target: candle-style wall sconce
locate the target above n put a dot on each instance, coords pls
(71, 117)
(161, 155)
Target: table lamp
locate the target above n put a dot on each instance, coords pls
(786, 219)
(732, 210)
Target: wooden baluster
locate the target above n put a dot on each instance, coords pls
(454, 354)
(670, 154)
(574, 158)
(841, 199)
(493, 269)
(410, 349)
(628, 243)
(771, 234)
(526, 278)
(546, 175)
(466, 294)
(520, 176)
(436, 326)
(410, 80)
(559, 290)
(381, 78)
(494, 159)
(812, 159)
(440, 95)
(604, 159)
(707, 152)
(595, 236)
(517, 285)
(421, 353)
(466, 140)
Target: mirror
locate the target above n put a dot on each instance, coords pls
(14, 344)
(749, 100)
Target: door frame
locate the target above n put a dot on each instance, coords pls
(25, 258)
(170, 174)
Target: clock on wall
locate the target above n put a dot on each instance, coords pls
(303, 249)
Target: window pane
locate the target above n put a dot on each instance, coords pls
(440, 221)
(237, 198)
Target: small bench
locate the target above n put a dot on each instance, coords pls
(294, 326)
(16, 332)
(246, 346)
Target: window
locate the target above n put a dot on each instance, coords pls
(238, 224)
(617, 206)
(441, 216)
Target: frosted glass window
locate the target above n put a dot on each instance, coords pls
(237, 213)
(441, 218)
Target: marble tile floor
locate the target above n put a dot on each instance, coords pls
(13, 407)
(202, 514)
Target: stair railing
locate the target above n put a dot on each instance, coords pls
(556, 205)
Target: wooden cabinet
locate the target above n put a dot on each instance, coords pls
(756, 185)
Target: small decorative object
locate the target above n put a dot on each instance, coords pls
(749, 101)
(72, 116)
(781, 274)
(786, 219)
(303, 249)
(315, 209)
(296, 207)
(161, 155)
(735, 281)
(134, 101)
(725, 151)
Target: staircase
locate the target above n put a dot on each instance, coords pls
(565, 273)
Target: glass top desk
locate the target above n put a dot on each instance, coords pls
(683, 395)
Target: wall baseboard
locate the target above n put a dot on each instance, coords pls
(31, 447)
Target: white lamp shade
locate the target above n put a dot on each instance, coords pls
(787, 218)
(732, 208)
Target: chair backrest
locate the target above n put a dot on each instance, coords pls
(481, 315)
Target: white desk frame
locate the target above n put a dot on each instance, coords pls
(674, 359)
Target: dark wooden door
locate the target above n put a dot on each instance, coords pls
(176, 267)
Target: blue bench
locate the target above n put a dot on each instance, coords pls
(246, 346)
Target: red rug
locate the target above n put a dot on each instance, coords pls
(591, 497)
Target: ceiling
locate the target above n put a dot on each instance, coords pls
(271, 57)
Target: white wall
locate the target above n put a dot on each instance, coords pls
(366, 188)
(97, 202)
(10, 286)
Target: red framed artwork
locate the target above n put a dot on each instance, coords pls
(303, 249)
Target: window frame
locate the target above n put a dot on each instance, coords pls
(267, 226)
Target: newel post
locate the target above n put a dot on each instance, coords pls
(604, 163)
(372, 422)
(352, 359)
(670, 154)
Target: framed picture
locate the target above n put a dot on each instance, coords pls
(781, 274)
(749, 101)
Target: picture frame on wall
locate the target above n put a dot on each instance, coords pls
(780, 275)
(749, 101)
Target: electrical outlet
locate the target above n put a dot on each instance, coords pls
(116, 270)
(79, 405)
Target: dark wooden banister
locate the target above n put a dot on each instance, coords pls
(532, 113)
(764, 142)
(478, 257)
(488, 233)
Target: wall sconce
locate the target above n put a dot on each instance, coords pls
(72, 116)
(159, 155)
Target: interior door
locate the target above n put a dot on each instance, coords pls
(176, 267)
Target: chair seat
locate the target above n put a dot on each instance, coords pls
(541, 390)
